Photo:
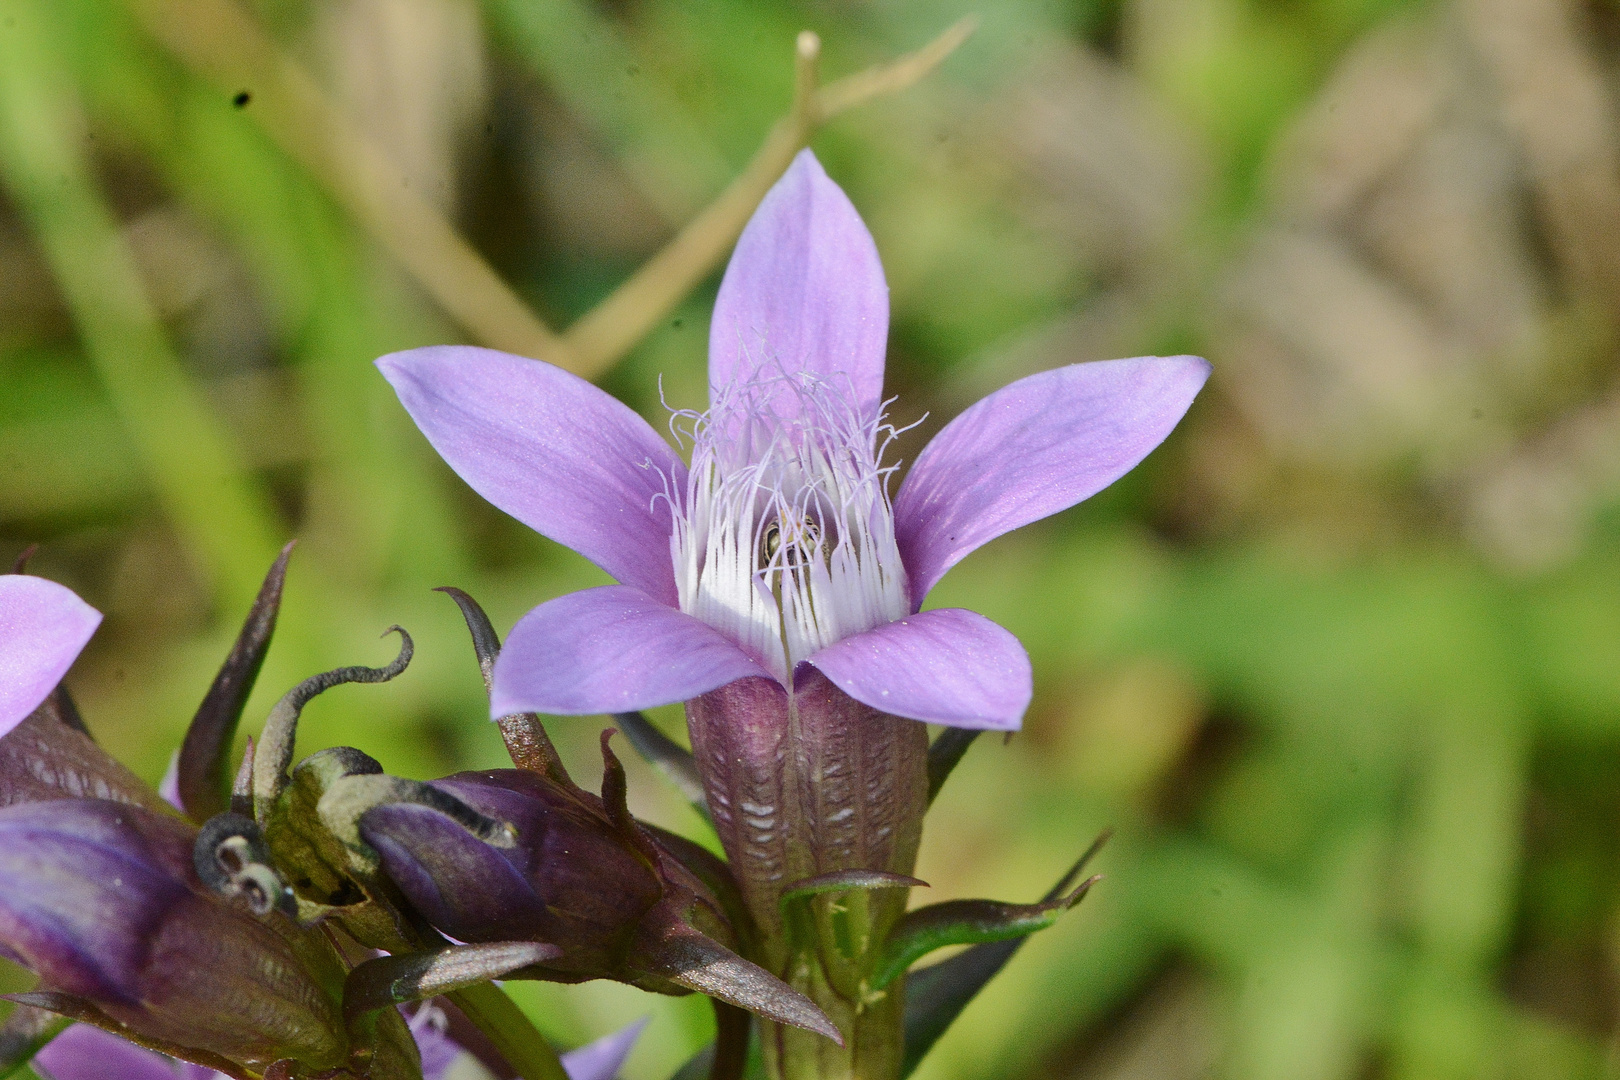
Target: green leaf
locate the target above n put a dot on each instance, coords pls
(936, 996)
(965, 922)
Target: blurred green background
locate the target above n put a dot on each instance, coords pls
(1341, 660)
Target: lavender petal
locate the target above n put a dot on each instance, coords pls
(43, 626)
(602, 1059)
(611, 649)
(946, 666)
(550, 449)
(804, 290)
(85, 1052)
(1031, 449)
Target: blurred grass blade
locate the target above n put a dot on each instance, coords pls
(224, 520)
(585, 59)
(513, 1034)
(229, 48)
(610, 329)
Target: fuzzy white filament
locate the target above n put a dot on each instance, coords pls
(784, 541)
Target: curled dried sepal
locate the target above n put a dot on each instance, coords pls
(275, 749)
(203, 770)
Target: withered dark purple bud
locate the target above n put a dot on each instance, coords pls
(569, 880)
(581, 875)
(101, 901)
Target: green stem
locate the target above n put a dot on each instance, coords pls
(498, 1017)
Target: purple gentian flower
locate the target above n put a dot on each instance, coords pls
(779, 549)
(43, 626)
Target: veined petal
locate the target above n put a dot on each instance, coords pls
(946, 666)
(804, 292)
(1034, 448)
(43, 626)
(602, 1059)
(611, 649)
(547, 447)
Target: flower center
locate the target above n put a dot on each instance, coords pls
(784, 540)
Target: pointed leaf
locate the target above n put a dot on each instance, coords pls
(964, 922)
(685, 957)
(203, 773)
(936, 995)
(275, 750)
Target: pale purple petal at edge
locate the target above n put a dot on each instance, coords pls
(555, 452)
(1031, 449)
(83, 1052)
(946, 666)
(804, 290)
(43, 626)
(611, 649)
(602, 1059)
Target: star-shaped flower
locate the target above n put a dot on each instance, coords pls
(779, 546)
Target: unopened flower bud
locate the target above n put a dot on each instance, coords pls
(101, 901)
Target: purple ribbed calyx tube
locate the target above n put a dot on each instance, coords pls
(773, 584)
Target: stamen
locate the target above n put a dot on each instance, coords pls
(785, 538)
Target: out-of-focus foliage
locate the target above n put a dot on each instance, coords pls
(1342, 661)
